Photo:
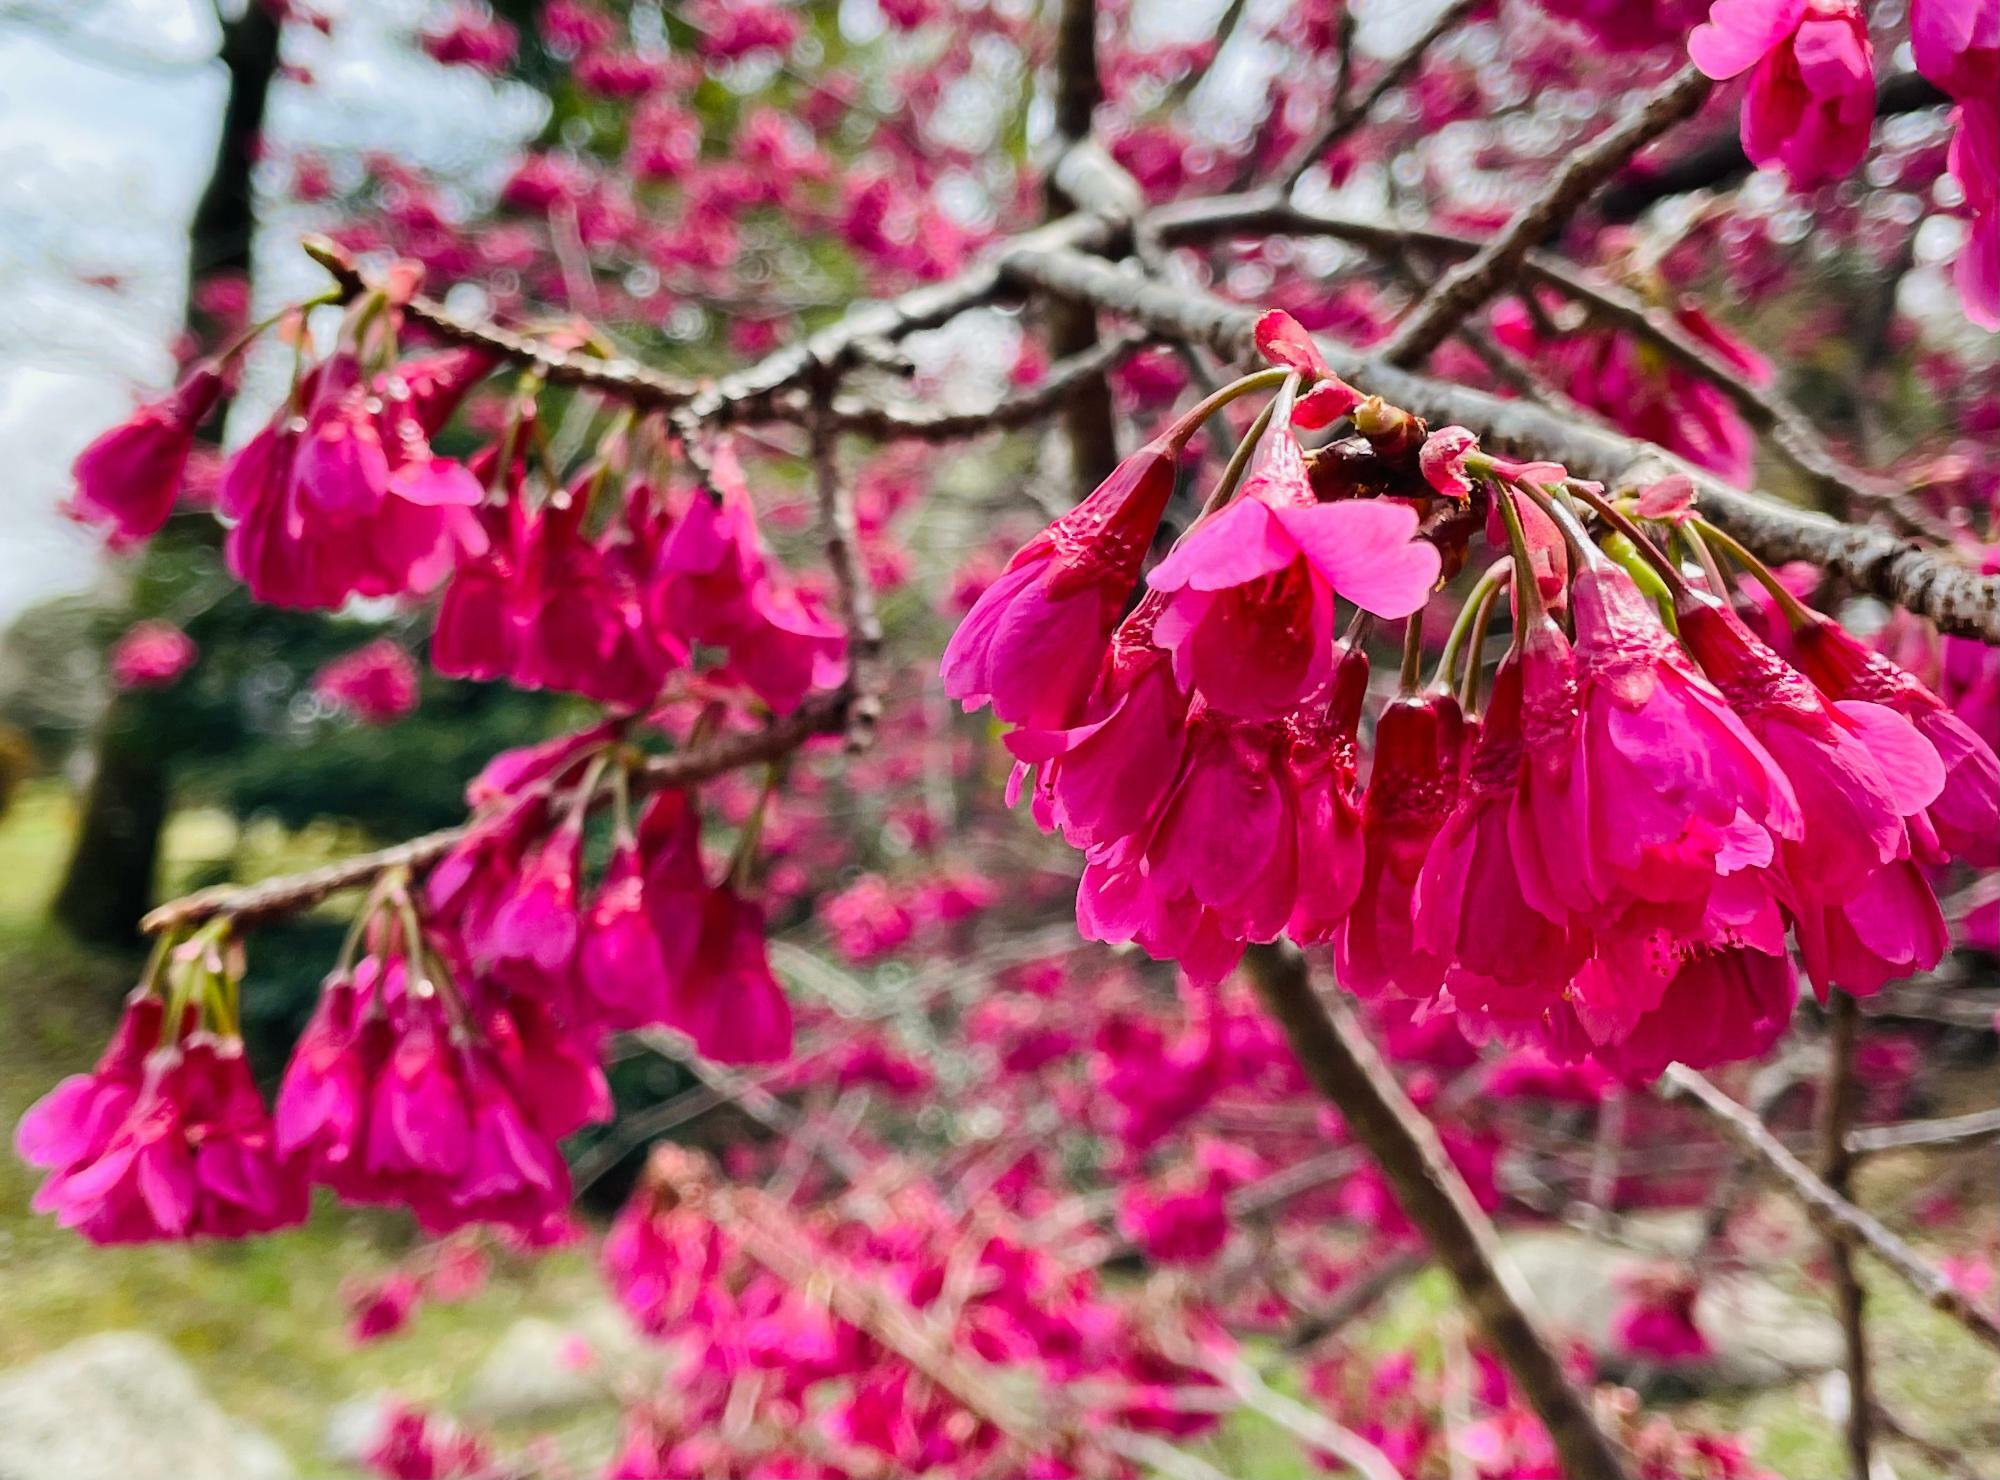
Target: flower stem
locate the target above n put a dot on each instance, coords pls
(1494, 574)
(1410, 678)
(1556, 506)
(1183, 430)
(1796, 611)
(1232, 473)
(1528, 608)
(1691, 537)
(1613, 516)
(1468, 697)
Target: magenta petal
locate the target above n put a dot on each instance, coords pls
(1739, 32)
(1365, 550)
(437, 482)
(1239, 543)
(1908, 761)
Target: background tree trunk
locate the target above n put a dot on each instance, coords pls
(108, 883)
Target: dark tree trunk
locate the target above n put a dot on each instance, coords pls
(108, 883)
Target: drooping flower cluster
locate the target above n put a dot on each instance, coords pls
(656, 942)
(441, 1069)
(1604, 858)
(1199, 751)
(168, 1137)
(341, 495)
(1811, 99)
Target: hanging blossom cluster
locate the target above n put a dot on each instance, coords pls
(1809, 106)
(459, 1038)
(1604, 853)
(456, 1042)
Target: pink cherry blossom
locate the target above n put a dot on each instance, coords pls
(1250, 615)
(129, 478)
(1811, 100)
(377, 683)
(151, 655)
(1032, 643)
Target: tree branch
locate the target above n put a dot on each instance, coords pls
(1471, 284)
(820, 714)
(854, 594)
(1829, 1209)
(1348, 116)
(1958, 1130)
(753, 389)
(1721, 161)
(1797, 440)
(1838, 1091)
(1043, 399)
(1872, 560)
(1344, 1067)
(1088, 420)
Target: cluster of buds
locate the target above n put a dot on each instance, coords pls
(167, 1137)
(1602, 856)
(455, 1043)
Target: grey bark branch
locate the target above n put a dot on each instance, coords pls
(1875, 561)
(840, 537)
(1472, 283)
(1838, 1091)
(1796, 439)
(1957, 1130)
(1831, 1211)
(1089, 423)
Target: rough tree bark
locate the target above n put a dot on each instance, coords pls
(1088, 422)
(108, 883)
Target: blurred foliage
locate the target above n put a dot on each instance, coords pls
(243, 727)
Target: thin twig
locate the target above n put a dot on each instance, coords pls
(1469, 285)
(820, 714)
(1345, 1068)
(1355, 1296)
(1943, 1456)
(1832, 1211)
(1957, 1130)
(1721, 160)
(1348, 116)
(1308, 1424)
(1046, 397)
(854, 593)
(1838, 1091)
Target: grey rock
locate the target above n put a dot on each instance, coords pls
(353, 1427)
(1761, 1334)
(532, 1375)
(123, 1406)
